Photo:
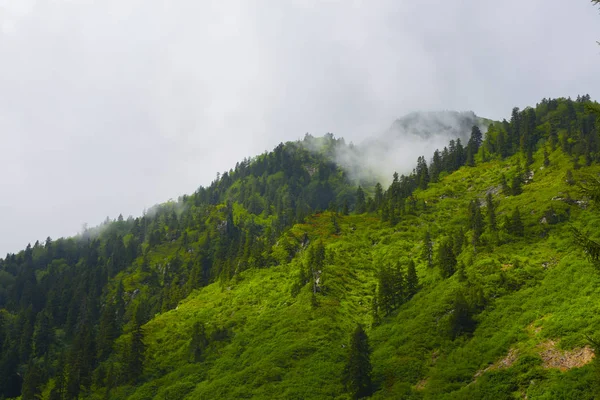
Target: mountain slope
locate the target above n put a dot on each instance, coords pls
(534, 290)
(250, 288)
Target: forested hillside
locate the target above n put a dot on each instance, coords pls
(473, 276)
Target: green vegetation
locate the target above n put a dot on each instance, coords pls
(473, 277)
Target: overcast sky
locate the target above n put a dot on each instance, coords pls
(112, 106)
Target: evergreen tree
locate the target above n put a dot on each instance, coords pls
(476, 220)
(427, 252)
(422, 173)
(446, 260)
(516, 224)
(32, 382)
(412, 280)
(491, 212)
(137, 348)
(107, 330)
(398, 286)
(360, 201)
(506, 190)
(569, 178)
(516, 188)
(42, 336)
(357, 373)
(461, 319)
(378, 201)
(386, 295)
(198, 343)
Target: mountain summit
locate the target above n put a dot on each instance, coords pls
(425, 124)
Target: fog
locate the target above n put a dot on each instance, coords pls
(110, 107)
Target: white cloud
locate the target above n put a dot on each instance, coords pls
(108, 107)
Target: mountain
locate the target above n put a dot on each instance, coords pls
(475, 276)
(450, 124)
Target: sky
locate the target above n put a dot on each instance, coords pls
(112, 106)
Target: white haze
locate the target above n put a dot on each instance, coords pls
(112, 106)
(397, 149)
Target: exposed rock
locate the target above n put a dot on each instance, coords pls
(564, 359)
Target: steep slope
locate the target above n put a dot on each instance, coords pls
(521, 293)
(250, 289)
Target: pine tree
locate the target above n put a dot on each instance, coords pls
(58, 391)
(461, 319)
(446, 260)
(357, 374)
(506, 190)
(516, 188)
(385, 291)
(398, 286)
(32, 382)
(516, 224)
(198, 343)
(422, 173)
(569, 178)
(491, 212)
(360, 201)
(107, 331)
(427, 252)
(476, 221)
(412, 280)
(137, 348)
(42, 336)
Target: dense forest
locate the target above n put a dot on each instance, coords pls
(473, 276)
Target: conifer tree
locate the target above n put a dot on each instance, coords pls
(386, 295)
(516, 188)
(357, 374)
(506, 190)
(198, 343)
(476, 220)
(32, 382)
(427, 252)
(446, 259)
(461, 319)
(516, 224)
(137, 348)
(491, 212)
(398, 285)
(360, 201)
(107, 330)
(412, 280)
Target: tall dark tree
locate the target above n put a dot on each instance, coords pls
(357, 374)
(412, 280)
(427, 252)
(491, 212)
(476, 220)
(137, 347)
(198, 343)
(422, 173)
(516, 224)
(461, 319)
(32, 382)
(360, 200)
(446, 259)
